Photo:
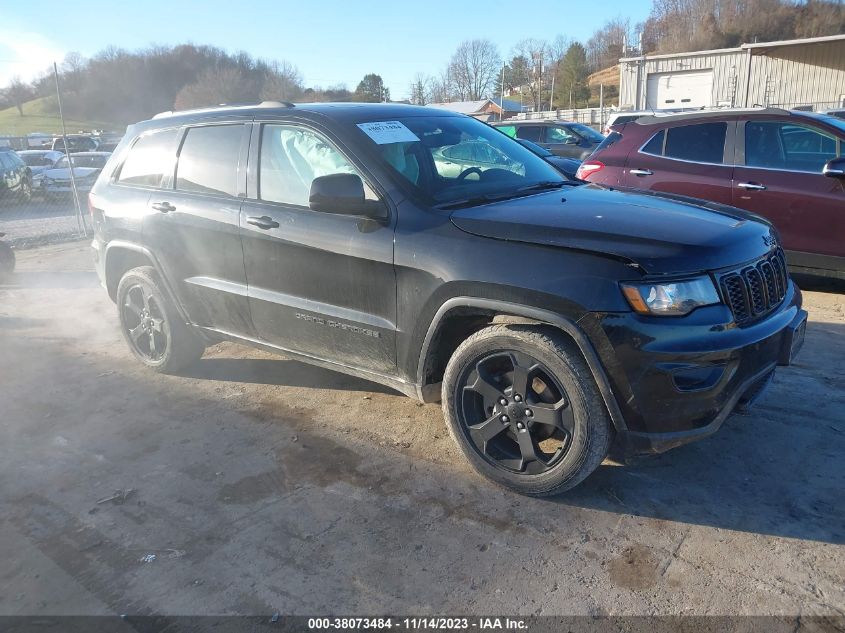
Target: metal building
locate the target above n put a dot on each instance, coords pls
(801, 73)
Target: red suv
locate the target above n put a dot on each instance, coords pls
(786, 166)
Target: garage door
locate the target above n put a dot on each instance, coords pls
(692, 89)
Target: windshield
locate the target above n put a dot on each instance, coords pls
(587, 132)
(83, 161)
(449, 158)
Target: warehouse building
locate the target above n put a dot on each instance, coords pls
(806, 74)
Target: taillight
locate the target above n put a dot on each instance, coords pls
(588, 168)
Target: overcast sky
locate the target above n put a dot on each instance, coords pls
(329, 41)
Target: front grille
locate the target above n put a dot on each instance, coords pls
(755, 290)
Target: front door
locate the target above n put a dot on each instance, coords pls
(320, 284)
(781, 179)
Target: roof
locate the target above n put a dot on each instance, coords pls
(349, 112)
(463, 107)
(718, 114)
(755, 46)
(509, 104)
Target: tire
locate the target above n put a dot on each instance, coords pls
(7, 262)
(26, 191)
(151, 325)
(564, 426)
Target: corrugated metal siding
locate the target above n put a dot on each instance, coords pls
(789, 75)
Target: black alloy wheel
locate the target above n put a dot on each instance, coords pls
(516, 413)
(145, 323)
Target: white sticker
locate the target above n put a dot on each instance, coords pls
(384, 132)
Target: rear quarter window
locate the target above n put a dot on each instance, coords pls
(609, 140)
(150, 158)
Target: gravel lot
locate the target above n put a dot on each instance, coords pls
(263, 485)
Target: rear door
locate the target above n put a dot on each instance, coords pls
(690, 160)
(320, 284)
(192, 223)
(779, 176)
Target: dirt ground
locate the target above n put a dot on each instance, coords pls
(263, 485)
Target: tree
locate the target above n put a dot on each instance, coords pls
(17, 93)
(474, 68)
(535, 53)
(216, 86)
(573, 72)
(371, 89)
(282, 82)
(419, 90)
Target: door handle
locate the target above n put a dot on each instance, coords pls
(262, 222)
(164, 207)
(753, 186)
(641, 172)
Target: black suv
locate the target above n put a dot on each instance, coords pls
(556, 320)
(15, 177)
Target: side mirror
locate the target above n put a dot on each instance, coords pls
(835, 168)
(343, 194)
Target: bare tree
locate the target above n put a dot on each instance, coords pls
(282, 82)
(215, 86)
(536, 55)
(420, 89)
(17, 93)
(474, 68)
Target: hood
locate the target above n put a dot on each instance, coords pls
(64, 174)
(661, 235)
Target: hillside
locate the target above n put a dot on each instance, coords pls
(39, 117)
(608, 76)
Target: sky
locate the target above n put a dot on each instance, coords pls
(329, 41)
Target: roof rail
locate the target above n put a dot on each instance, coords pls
(263, 104)
(659, 117)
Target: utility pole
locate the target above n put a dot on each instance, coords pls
(502, 96)
(80, 220)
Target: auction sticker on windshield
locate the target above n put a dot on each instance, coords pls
(385, 132)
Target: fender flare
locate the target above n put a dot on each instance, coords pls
(143, 250)
(540, 315)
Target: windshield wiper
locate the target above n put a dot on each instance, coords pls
(475, 200)
(545, 185)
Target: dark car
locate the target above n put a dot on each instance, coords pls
(786, 166)
(567, 166)
(75, 143)
(570, 140)
(554, 321)
(15, 177)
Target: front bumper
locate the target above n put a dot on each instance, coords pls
(677, 380)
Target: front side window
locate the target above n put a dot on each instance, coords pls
(700, 143)
(150, 158)
(559, 135)
(291, 158)
(779, 145)
(208, 160)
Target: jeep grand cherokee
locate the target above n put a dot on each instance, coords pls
(553, 320)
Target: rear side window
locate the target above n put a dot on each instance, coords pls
(700, 143)
(208, 161)
(610, 139)
(149, 159)
(530, 132)
(655, 145)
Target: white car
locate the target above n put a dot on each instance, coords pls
(86, 167)
(39, 161)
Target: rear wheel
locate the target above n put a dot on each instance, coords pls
(523, 407)
(151, 325)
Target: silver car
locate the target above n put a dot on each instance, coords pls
(86, 167)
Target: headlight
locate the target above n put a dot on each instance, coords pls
(671, 299)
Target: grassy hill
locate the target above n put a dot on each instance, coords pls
(608, 77)
(38, 116)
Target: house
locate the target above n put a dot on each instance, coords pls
(483, 109)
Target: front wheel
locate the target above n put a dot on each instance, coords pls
(524, 408)
(151, 325)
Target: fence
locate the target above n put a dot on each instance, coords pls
(594, 117)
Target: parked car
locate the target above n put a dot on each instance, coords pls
(75, 143)
(786, 166)
(554, 321)
(38, 161)
(839, 113)
(567, 166)
(570, 140)
(56, 182)
(15, 177)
